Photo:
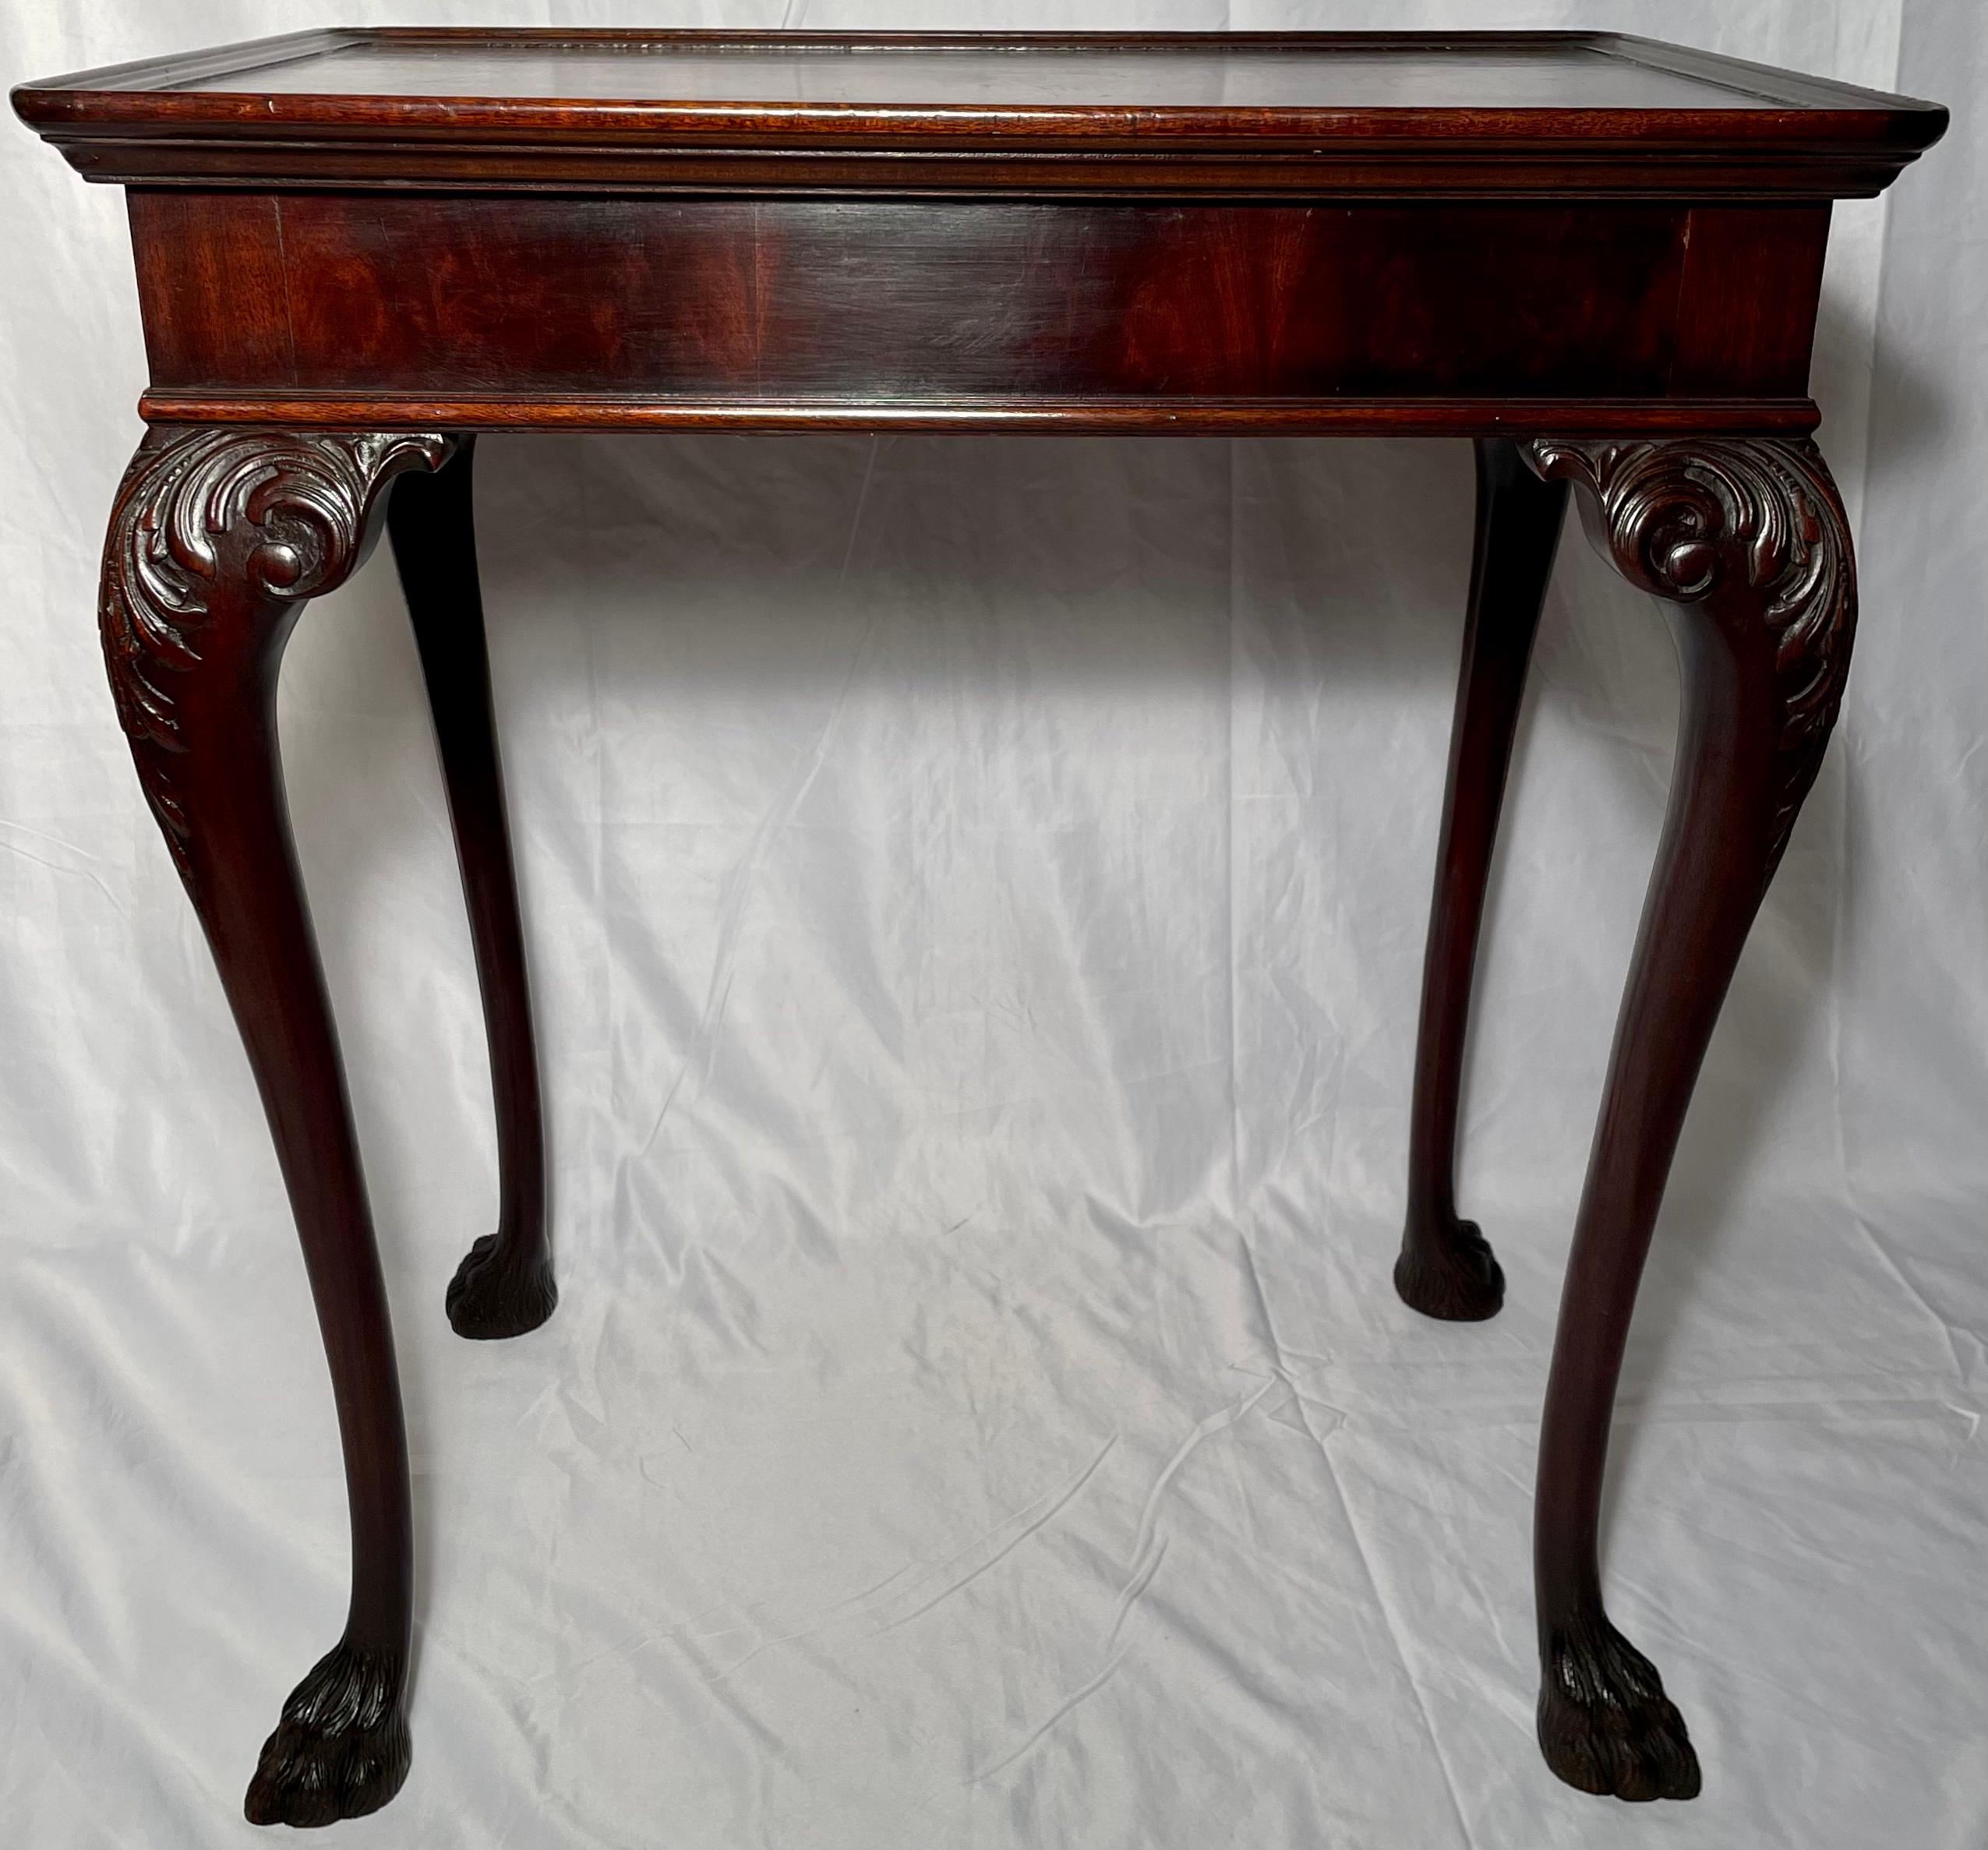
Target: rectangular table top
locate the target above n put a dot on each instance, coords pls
(1461, 232)
(1567, 99)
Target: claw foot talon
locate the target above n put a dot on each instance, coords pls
(492, 1296)
(341, 1748)
(1605, 1723)
(1453, 1275)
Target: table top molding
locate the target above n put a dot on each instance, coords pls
(1464, 234)
(1561, 114)
(1073, 416)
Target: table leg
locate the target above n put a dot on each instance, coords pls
(1748, 542)
(504, 1286)
(1446, 1269)
(218, 537)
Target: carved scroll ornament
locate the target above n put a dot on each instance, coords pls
(1695, 521)
(280, 516)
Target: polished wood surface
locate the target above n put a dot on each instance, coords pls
(1446, 1268)
(1748, 545)
(504, 1286)
(1473, 234)
(217, 538)
(1095, 73)
(952, 304)
(1487, 113)
(1600, 256)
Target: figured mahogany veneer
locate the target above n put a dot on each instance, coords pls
(1599, 256)
(1174, 230)
(809, 301)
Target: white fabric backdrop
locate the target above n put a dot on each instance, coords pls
(976, 890)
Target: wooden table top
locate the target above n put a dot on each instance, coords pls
(1459, 232)
(1553, 112)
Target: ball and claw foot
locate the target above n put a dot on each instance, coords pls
(492, 1295)
(341, 1748)
(1605, 1723)
(1454, 1276)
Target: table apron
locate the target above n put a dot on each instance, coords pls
(740, 303)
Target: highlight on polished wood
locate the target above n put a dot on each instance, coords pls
(1598, 256)
(613, 229)
(1419, 112)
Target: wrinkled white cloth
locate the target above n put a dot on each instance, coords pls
(976, 890)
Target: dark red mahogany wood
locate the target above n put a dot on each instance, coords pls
(1749, 542)
(1328, 230)
(809, 301)
(216, 539)
(1599, 256)
(1318, 113)
(504, 1286)
(1446, 1268)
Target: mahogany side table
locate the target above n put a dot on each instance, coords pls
(1598, 257)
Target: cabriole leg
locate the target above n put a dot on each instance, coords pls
(1446, 1269)
(504, 1286)
(1748, 542)
(218, 537)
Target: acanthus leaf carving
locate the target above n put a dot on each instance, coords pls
(1691, 519)
(285, 511)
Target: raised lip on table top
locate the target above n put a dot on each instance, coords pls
(163, 91)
